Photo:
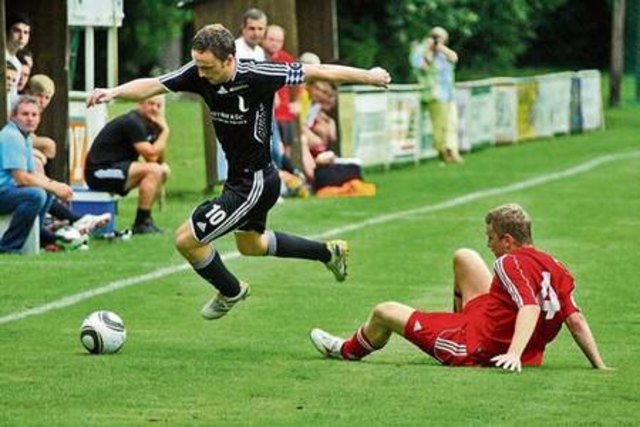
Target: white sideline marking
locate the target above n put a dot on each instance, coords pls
(162, 272)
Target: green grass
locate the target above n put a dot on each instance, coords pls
(256, 367)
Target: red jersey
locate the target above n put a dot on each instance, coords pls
(525, 276)
(283, 111)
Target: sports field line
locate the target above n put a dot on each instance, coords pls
(456, 201)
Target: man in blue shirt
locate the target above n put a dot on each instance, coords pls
(22, 192)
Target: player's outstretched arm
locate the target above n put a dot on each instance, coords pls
(342, 74)
(526, 321)
(581, 332)
(134, 90)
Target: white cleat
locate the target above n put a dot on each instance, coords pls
(326, 343)
(338, 263)
(220, 305)
(87, 223)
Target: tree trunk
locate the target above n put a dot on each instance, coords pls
(617, 51)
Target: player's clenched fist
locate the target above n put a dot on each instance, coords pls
(380, 77)
(99, 96)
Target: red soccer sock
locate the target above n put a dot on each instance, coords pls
(357, 347)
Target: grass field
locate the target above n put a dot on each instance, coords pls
(257, 367)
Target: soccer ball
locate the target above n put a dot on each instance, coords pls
(103, 332)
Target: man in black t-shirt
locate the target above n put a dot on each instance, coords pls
(112, 163)
(240, 97)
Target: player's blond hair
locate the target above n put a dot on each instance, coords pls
(510, 219)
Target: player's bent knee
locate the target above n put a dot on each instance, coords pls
(389, 310)
(465, 256)
(183, 239)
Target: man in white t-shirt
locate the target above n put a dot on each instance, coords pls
(254, 25)
(248, 46)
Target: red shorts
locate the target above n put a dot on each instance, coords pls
(443, 336)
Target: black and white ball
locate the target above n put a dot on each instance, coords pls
(103, 332)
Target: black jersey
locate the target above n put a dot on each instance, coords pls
(241, 109)
(115, 141)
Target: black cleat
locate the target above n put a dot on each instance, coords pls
(147, 227)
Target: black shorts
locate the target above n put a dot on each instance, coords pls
(111, 178)
(243, 205)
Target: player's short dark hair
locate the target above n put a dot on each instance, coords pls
(14, 18)
(510, 219)
(216, 39)
(255, 14)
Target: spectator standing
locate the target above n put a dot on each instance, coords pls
(434, 64)
(113, 164)
(249, 44)
(248, 47)
(10, 79)
(23, 192)
(286, 118)
(26, 59)
(18, 34)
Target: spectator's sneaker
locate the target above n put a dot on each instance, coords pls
(326, 343)
(87, 223)
(70, 239)
(338, 263)
(220, 305)
(147, 227)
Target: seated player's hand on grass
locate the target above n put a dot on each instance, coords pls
(508, 361)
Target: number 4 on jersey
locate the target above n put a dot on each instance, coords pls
(547, 298)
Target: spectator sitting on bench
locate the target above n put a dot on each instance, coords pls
(112, 163)
(42, 88)
(319, 131)
(24, 193)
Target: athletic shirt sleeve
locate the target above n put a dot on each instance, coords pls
(515, 281)
(565, 287)
(272, 74)
(185, 79)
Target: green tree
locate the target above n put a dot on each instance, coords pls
(147, 28)
(488, 34)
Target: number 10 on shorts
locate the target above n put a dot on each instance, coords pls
(216, 215)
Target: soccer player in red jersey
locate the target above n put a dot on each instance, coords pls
(505, 320)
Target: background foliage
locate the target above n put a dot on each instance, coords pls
(491, 36)
(488, 34)
(147, 28)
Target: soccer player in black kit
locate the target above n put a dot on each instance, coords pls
(240, 97)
